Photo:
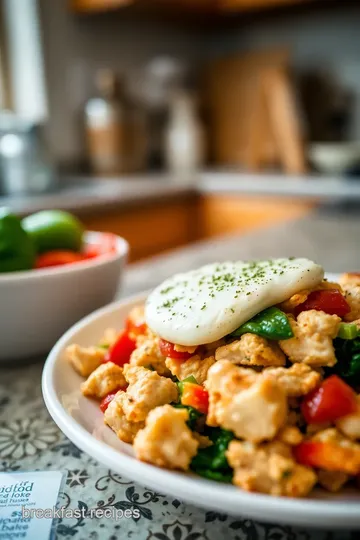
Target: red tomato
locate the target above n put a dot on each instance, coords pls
(196, 396)
(120, 352)
(330, 301)
(136, 328)
(106, 401)
(107, 245)
(167, 349)
(331, 400)
(57, 258)
(329, 456)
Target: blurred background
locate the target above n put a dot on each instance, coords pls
(168, 121)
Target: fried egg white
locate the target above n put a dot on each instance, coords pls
(204, 305)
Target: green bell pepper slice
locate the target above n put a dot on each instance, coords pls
(348, 331)
(17, 250)
(272, 323)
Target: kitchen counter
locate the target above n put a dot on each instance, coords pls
(330, 239)
(83, 195)
(30, 440)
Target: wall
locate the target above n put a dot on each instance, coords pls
(76, 45)
(327, 40)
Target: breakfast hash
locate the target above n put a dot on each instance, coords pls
(241, 372)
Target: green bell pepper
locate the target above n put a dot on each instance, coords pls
(272, 323)
(347, 331)
(17, 251)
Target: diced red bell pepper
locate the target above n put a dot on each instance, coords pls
(328, 455)
(58, 258)
(195, 396)
(105, 402)
(120, 352)
(330, 301)
(105, 246)
(331, 400)
(168, 349)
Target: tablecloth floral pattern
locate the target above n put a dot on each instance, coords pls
(29, 440)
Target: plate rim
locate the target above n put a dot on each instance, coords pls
(261, 507)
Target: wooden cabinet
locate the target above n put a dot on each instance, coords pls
(149, 229)
(173, 223)
(246, 5)
(205, 6)
(98, 5)
(223, 214)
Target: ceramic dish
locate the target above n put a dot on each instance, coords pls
(82, 422)
(40, 305)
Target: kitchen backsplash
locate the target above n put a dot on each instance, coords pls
(75, 46)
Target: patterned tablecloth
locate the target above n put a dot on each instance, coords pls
(29, 439)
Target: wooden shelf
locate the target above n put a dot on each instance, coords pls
(186, 7)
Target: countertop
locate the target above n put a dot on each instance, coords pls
(86, 194)
(330, 238)
(29, 439)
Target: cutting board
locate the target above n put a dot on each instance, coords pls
(242, 113)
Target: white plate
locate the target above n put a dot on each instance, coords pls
(82, 422)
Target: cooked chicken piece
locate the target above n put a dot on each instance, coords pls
(312, 341)
(115, 418)
(223, 381)
(203, 440)
(350, 284)
(147, 354)
(297, 380)
(166, 440)
(146, 390)
(109, 338)
(332, 480)
(299, 298)
(105, 379)
(195, 366)
(85, 359)
(210, 348)
(255, 413)
(269, 468)
(350, 425)
(349, 460)
(252, 350)
(290, 435)
(295, 300)
(183, 348)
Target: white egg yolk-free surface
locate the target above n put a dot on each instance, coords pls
(204, 305)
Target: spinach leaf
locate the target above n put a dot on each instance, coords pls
(211, 462)
(347, 353)
(194, 414)
(272, 323)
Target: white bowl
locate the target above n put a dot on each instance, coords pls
(82, 422)
(334, 158)
(38, 306)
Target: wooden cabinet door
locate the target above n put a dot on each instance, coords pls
(224, 214)
(239, 5)
(98, 5)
